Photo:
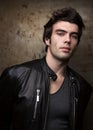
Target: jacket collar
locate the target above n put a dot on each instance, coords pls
(52, 74)
(47, 69)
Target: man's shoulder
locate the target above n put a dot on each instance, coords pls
(75, 74)
(22, 68)
(27, 64)
(79, 78)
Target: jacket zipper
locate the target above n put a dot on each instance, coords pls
(75, 100)
(74, 106)
(36, 103)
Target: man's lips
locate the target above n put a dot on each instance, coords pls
(65, 49)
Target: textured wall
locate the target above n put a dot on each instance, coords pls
(21, 28)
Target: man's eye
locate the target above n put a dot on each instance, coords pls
(61, 34)
(75, 36)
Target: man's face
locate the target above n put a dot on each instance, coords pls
(63, 41)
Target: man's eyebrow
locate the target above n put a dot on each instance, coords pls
(60, 30)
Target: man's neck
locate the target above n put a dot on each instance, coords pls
(58, 66)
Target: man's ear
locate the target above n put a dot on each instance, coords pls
(47, 41)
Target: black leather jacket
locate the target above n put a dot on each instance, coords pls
(24, 96)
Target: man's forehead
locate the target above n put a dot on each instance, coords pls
(65, 25)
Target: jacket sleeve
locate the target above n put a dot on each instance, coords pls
(6, 100)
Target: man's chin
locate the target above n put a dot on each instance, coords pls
(65, 59)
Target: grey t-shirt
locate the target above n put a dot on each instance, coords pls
(59, 108)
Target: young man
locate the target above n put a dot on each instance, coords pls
(46, 94)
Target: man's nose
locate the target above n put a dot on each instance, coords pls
(68, 38)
